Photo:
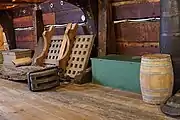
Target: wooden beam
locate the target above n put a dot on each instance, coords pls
(106, 37)
(7, 23)
(136, 10)
(38, 24)
(22, 1)
(47, 35)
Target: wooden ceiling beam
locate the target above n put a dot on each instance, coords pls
(21, 1)
(9, 4)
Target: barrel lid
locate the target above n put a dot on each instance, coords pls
(156, 56)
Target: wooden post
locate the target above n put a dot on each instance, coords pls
(106, 35)
(7, 23)
(38, 25)
(47, 35)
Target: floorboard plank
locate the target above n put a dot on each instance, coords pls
(73, 102)
(37, 103)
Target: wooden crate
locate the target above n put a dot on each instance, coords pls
(13, 54)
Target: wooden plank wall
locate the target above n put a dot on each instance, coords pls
(134, 37)
(54, 13)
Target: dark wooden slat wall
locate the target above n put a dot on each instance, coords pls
(136, 10)
(136, 38)
(26, 21)
(137, 31)
(25, 37)
(6, 22)
(54, 12)
(132, 38)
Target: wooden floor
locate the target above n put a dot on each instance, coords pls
(72, 102)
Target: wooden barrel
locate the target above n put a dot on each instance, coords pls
(156, 78)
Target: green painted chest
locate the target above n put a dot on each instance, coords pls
(117, 71)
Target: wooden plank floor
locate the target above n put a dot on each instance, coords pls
(73, 102)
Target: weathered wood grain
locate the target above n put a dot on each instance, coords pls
(135, 48)
(49, 6)
(26, 21)
(38, 24)
(132, 1)
(27, 35)
(135, 38)
(24, 36)
(49, 18)
(25, 45)
(73, 102)
(54, 12)
(73, 16)
(22, 11)
(67, 45)
(47, 35)
(106, 36)
(137, 31)
(136, 10)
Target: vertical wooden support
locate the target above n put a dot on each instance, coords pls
(47, 35)
(106, 35)
(3, 41)
(7, 23)
(67, 45)
(38, 24)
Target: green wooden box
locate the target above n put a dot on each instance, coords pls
(117, 71)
